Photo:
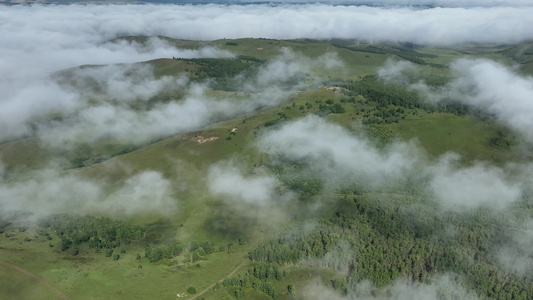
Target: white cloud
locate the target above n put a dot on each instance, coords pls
(481, 83)
(146, 192)
(337, 155)
(119, 89)
(441, 288)
(24, 101)
(120, 83)
(228, 181)
(424, 3)
(48, 191)
(98, 102)
(340, 158)
(473, 186)
(249, 198)
(41, 39)
(287, 66)
(499, 90)
(517, 256)
(397, 71)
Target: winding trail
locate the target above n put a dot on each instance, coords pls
(39, 279)
(211, 286)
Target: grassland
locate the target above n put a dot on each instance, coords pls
(186, 157)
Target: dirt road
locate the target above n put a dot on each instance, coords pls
(39, 279)
(227, 276)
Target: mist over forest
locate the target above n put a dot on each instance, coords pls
(281, 150)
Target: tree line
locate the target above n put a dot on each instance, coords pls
(97, 232)
(382, 243)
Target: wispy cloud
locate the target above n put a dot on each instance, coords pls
(458, 188)
(442, 287)
(422, 3)
(517, 256)
(337, 155)
(480, 83)
(49, 191)
(226, 180)
(340, 158)
(113, 102)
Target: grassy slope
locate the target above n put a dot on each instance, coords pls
(92, 276)
(16, 285)
(22, 154)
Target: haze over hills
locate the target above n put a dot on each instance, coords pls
(242, 150)
(380, 3)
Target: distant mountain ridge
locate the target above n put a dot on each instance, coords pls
(423, 4)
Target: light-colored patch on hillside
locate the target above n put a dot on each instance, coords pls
(200, 139)
(334, 89)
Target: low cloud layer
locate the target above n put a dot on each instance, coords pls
(62, 36)
(91, 106)
(39, 40)
(49, 191)
(114, 102)
(246, 198)
(441, 288)
(340, 159)
(480, 83)
(474, 186)
(517, 256)
(423, 3)
(336, 154)
(227, 181)
(87, 99)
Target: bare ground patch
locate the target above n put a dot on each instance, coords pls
(201, 139)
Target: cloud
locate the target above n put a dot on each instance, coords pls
(473, 186)
(227, 181)
(42, 39)
(146, 192)
(112, 102)
(29, 54)
(289, 70)
(341, 159)
(441, 288)
(24, 101)
(339, 257)
(48, 191)
(480, 83)
(423, 3)
(497, 89)
(31, 95)
(246, 199)
(65, 34)
(397, 71)
(97, 102)
(337, 155)
(121, 83)
(517, 255)
(91, 103)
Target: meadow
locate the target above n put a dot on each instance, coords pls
(341, 223)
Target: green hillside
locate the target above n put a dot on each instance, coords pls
(348, 235)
